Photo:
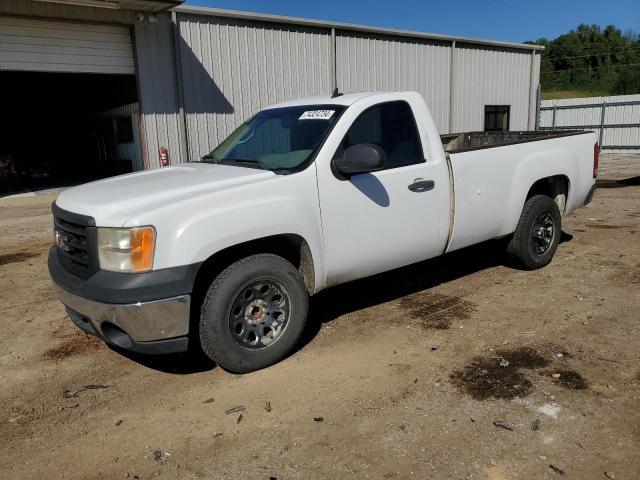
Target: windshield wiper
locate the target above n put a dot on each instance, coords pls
(209, 156)
(241, 162)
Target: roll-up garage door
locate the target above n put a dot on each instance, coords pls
(43, 46)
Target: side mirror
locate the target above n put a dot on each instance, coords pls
(361, 158)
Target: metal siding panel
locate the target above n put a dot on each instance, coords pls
(361, 29)
(369, 62)
(36, 45)
(616, 114)
(490, 76)
(71, 12)
(590, 100)
(122, 110)
(232, 69)
(158, 91)
(126, 151)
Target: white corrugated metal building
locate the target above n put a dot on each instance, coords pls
(616, 118)
(197, 73)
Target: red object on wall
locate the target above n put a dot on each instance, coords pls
(164, 157)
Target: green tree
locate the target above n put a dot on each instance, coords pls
(591, 59)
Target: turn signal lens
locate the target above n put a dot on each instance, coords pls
(143, 242)
(126, 249)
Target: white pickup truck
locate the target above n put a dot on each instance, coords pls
(306, 194)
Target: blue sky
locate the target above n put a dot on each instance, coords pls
(514, 20)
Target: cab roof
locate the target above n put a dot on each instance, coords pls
(345, 99)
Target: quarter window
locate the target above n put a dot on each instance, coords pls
(391, 126)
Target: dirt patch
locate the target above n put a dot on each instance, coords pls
(435, 311)
(16, 257)
(604, 226)
(569, 379)
(485, 378)
(499, 375)
(634, 275)
(625, 274)
(524, 357)
(634, 278)
(77, 344)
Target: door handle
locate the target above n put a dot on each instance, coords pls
(420, 185)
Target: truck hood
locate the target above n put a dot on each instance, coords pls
(111, 201)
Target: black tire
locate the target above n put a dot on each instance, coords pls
(531, 249)
(241, 313)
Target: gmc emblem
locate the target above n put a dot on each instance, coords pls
(61, 241)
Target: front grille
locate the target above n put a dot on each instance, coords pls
(71, 240)
(75, 237)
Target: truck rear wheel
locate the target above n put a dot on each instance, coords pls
(254, 313)
(537, 235)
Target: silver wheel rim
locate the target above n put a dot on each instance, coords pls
(542, 233)
(259, 314)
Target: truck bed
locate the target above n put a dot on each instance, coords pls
(490, 186)
(465, 141)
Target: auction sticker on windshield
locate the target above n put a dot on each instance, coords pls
(317, 115)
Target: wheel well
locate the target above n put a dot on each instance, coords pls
(289, 246)
(556, 187)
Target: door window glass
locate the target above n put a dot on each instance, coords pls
(390, 126)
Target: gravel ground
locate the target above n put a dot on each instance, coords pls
(458, 367)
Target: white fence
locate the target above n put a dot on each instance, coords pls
(616, 119)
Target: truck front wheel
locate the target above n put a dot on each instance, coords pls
(254, 313)
(537, 235)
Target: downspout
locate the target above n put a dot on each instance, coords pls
(183, 135)
(333, 76)
(452, 59)
(531, 97)
(538, 101)
(141, 130)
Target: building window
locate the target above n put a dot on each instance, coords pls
(496, 118)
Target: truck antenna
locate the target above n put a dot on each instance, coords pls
(335, 93)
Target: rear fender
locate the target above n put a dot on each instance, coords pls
(532, 168)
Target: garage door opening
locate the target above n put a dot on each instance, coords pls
(61, 129)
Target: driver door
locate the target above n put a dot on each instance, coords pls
(377, 221)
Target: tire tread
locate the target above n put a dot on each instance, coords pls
(518, 247)
(210, 345)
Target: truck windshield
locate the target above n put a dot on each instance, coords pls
(278, 139)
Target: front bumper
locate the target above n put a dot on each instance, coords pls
(141, 312)
(155, 327)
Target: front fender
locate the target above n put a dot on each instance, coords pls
(194, 229)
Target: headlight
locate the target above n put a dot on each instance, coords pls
(126, 249)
